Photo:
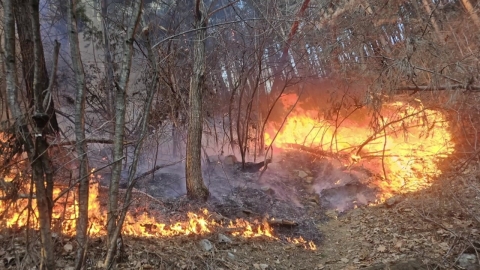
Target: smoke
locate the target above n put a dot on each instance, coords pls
(340, 188)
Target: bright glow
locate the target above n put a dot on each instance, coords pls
(411, 139)
(137, 222)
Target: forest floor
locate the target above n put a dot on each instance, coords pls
(434, 228)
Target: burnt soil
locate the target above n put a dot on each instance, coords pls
(430, 229)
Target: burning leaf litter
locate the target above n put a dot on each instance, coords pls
(66, 210)
(404, 146)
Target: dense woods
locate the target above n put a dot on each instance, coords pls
(204, 78)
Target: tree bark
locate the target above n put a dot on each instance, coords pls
(28, 29)
(119, 136)
(138, 148)
(196, 189)
(41, 163)
(36, 152)
(109, 72)
(81, 145)
(40, 117)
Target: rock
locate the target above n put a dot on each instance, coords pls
(309, 180)
(68, 247)
(302, 174)
(390, 202)
(263, 266)
(315, 198)
(206, 245)
(267, 190)
(231, 256)
(468, 261)
(224, 239)
(260, 266)
(332, 214)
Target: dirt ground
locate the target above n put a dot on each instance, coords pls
(435, 228)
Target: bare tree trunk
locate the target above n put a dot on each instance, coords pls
(233, 88)
(36, 151)
(196, 189)
(40, 116)
(42, 171)
(27, 21)
(241, 121)
(81, 145)
(109, 77)
(119, 137)
(138, 147)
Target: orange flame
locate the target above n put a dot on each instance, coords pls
(142, 224)
(299, 241)
(406, 148)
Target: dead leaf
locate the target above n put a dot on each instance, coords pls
(399, 244)
(444, 246)
(381, 248)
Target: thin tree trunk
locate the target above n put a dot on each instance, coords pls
(240, 127)
(196, 189)
(34, 151)
(40, 116)
(109, 77)
(27, 21)
(81, 145)
(119, 136)
(42, 169)
(138, 147)
(234, 89)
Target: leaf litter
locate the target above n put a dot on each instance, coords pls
(435, 227)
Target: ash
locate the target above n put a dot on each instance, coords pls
(297, 186)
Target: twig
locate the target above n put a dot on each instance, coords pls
(440, 88)
(80, 179)
(156, 168)
(99, 140)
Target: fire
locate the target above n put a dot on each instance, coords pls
(299, 241)
(262, 229)
(136, 223)
(405, 149)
